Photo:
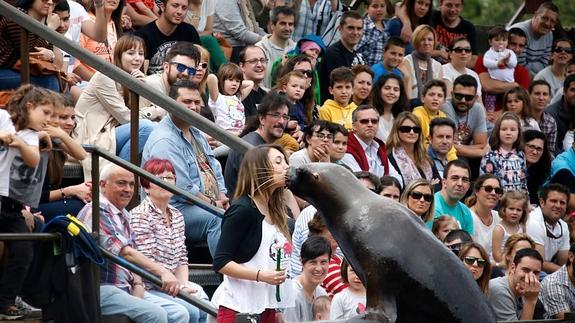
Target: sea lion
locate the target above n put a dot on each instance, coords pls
(409, 275)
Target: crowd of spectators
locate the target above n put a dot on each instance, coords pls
(479, 146)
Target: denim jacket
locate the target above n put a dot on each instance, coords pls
(167, 142)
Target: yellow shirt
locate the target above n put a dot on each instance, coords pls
(333, 112)
(425, 116)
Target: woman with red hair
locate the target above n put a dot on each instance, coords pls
(159, 231)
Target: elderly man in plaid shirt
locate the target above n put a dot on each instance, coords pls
(558, 290)
(122, 292)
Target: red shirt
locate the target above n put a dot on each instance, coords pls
(333, 283)
(521, 76)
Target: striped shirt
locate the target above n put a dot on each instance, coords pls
(537, 51)
(10, 42)
(162, 244)
(115, 234)
(548, 126)
(333, 283)
(313, 21)
(557, 293)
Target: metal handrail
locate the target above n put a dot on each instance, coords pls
(199, 303)
(152, 178)
(120, 76)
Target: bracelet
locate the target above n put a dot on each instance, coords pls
(63, 195)
(258, 276)
(98, 4)
(213, 202)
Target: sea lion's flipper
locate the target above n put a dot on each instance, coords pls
(380, 306)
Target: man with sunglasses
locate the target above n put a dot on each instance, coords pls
(514, 297)
(470, 140)
(455, 185)
(558, 289)
(546, 227)
(365, 152)
(160, 35)
(179, 64)
(539, 31)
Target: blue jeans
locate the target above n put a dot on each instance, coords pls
(201, 225)
(62, 207)
(10, 80)
(123, 140)
(150, 309)
(196, 316)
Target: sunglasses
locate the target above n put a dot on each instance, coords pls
(181, 68)
(563, 50)
(202, 66)
(489, 189)
(461, 96)
(460, 50)
(551, 234)
(471, 260)
(307, 73)
(418, 195)
(366, 121)
(408, 129)
(454, 248)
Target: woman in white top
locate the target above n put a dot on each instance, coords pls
(255, 240)
(459, 57)
(418, 67)
(488, 191)
(388, 97)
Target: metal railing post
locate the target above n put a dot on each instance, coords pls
(133, 104)
(96, 216)
(24, 57)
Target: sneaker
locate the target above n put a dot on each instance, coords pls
(28, 310)
(11, 313)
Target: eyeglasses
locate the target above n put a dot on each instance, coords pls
(278, 115)
(168, 178)
(374, 190)
(471, 260)
(551, 234)
(563, 50)
(418, 195)
(181, 68)
(489, 189)
(322, 136)
(533, 147)
(455, 248)
(366, 121)
(255, 61)
(202, 66)
(461, 96)
(307, 73)
(408, 129)
(391, 196)
(461, 50)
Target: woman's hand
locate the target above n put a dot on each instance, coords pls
(138, 75)
(272, 277)
(55, 132)
(43, 54)
(53, 21)
(82, 191)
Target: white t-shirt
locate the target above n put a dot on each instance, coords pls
(207, 9)
(229, 112)
(483, 234)
(77, 16)
(505, 74)
(6, 153)
(346, 305)
(299, 158)
(536, 229)
(450, 74)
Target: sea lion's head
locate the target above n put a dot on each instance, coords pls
(320, 181)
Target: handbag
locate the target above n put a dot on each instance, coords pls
(39, 67)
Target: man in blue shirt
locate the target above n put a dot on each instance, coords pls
(393, 53)
(456, 182)
(197, 170)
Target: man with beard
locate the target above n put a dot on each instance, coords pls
(273, 116)
(564, 112)
(455, 184)
(179, 64)
(470, 139)
(197, 170)
(161, 34)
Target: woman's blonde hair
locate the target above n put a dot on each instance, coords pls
(428, 215)
(125, 43)
(482, 281)
(204, 57)
(515, 196)
(255, 178)
(511, 242)
(420, 32)
(393, 140)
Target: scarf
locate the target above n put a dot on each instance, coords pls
(409, 171)
(421, 80)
